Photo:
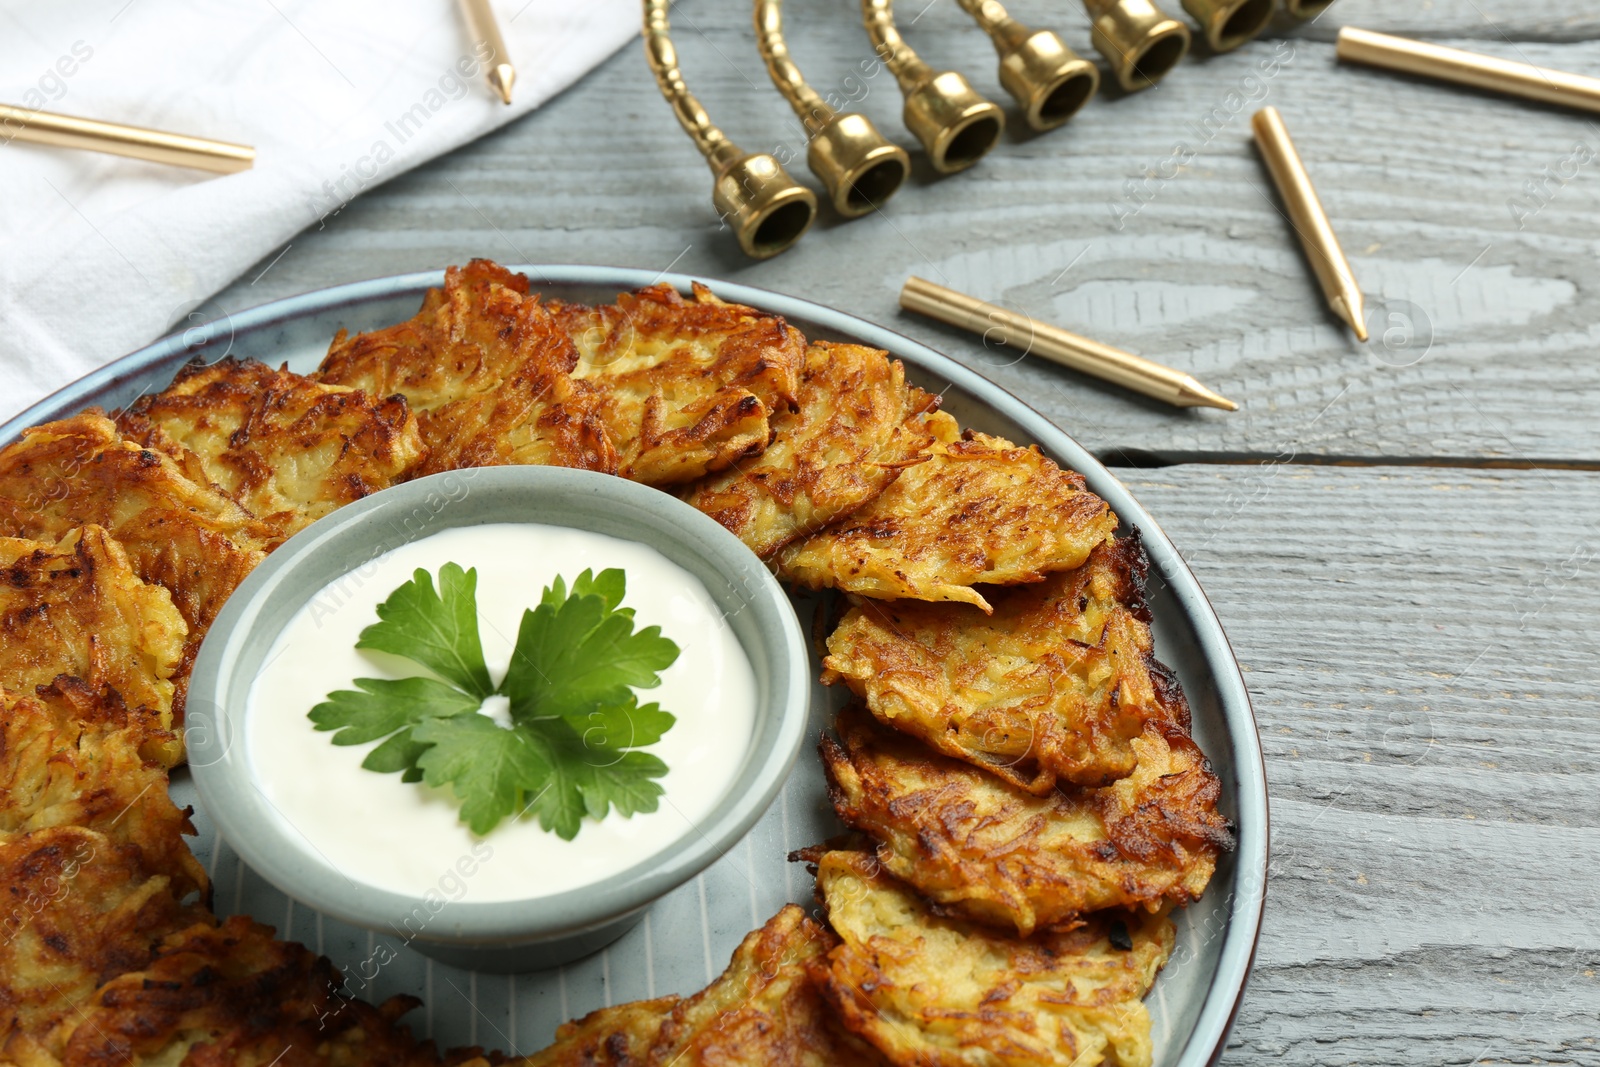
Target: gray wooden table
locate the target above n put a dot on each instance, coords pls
(1401, 537)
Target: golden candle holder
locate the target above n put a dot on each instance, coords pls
(1049, 81)
(1228, 24)
(957, 126)
(1306, 9)
(768, 210)
(860, 167)
(1140, 41)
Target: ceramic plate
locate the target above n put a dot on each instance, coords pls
(688, 936)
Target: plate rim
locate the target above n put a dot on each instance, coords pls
(1245, 910)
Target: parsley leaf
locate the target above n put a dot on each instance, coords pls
(609, 585)
(589, 776)
(626, 784)
(439, 630)
(576, 653)
(378, 707)
(399, 753)
(623, 726)
(487, 766)
(573, 746)
(560, 806)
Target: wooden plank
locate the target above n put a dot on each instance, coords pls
(1420, 650)
(1490, 20)
(1194, 267)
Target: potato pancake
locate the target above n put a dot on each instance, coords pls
(232, 994)
(183, 535)
(689, 385)
(1055, 684)
(544, 420)
(76, 607)
(469, 336)
(78, 910)
(841, 446)
(764, 1009)
(287, 447)
(488, 372)
(988, 851)
(76, 756)
(979, 510)
(618, 1036)
(932, 991)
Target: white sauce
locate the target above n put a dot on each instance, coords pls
(409, 838)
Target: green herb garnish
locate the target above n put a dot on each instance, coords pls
(576, 724)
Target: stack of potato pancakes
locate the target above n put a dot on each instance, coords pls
(1024, 803)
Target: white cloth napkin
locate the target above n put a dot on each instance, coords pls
(101, 254)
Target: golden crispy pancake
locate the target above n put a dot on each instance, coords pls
(183, 535)
(289, 448)
(231, 994)
(979, 510)
(618, 1036)
(1055, 684)
(842, 445)
(544, 420)
(78, 910)
(932, 991)
(478, 330)
(488, 372)
(77, 608)
(655, 388)
(689, 385)
(75, 756)
(988, 851)
(764, 1009)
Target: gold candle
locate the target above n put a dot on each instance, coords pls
(136, 142)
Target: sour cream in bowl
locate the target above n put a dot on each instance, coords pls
(498, 712)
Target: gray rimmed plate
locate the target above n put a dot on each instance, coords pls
(688, 935)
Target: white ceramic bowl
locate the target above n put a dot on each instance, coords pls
(492, 935)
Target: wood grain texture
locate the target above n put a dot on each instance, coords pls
(1420, 650)
(1195, 266)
